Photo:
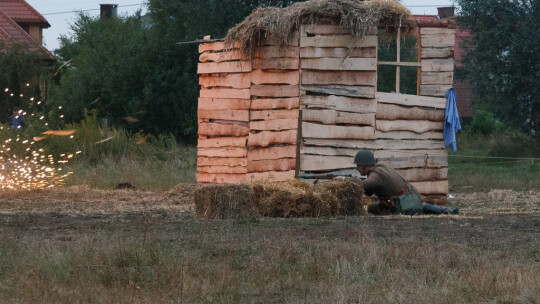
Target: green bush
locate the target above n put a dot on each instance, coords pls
(483, 123)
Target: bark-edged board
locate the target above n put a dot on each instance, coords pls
(277, 152)
(339, 103)
(266, 138)
(339, 77)
(339, 64)
(319, 52)
(313, 130)
(275, 103)
(224, 67)
(341, 90)
(386, 111)
(223, 104)
(236, 81)
(216, 129)
(332, 117)
(411, 100)
(282, 164)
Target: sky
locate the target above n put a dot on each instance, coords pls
(62, 13)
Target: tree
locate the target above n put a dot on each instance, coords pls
(502, 61)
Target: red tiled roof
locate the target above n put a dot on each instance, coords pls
(11, 32)
(22, 12)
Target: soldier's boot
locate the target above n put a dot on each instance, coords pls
(432, 209)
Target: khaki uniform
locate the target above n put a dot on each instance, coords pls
(387, 184)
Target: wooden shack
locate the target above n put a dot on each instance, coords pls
(307, 105)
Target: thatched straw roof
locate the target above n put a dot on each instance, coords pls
(277, 24)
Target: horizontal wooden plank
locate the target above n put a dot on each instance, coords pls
(272, 176)
(229, 161)
(326, 29)
(437, 52)
(329, 151)
(216, 129)
(274, 114)
(222, 169)
(417, 126)
(224, 67)
(266, 138)
(435, 187)
(346, 41)
(339, 103)
(411, 100)
(275, 77)
(331, 117)
(238, 115)
(265, 90)
(438, 40)
(386, 111)
(225, 93)
(313, 130)
(221, 178)
(424, 174)
(274, 125)
(283, 164)
(340, 143)
(222, 142)
(400, 144)
(321, 163)
(233, 55)
(269, 40)
(236, 81)
(276, 63)
(332, 52)
(223, 104)
(222, 152)
(401, 163)
(339, 77)
(437, 31)
(276, 52)
(341, 90)
(394, 63)
(408, 135)
(217, 46)
(434, 89)
(437, 78)
(275, 103)
(277, 152)
(339, 64)
(410, 154)
(438, 65)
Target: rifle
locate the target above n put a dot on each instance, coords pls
(324, 176)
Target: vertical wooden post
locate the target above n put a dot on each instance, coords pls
(398, 58)
(419, 69)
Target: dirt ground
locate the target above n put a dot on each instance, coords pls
(495, 218)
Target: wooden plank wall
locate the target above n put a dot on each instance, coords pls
(223, 109)
(274, 113)
(338, 85)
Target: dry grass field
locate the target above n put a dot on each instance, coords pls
(83, 245)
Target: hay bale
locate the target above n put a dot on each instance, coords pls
(277, 24)
(348, 193)
(225, 201)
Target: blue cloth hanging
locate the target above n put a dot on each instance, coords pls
(451, 120)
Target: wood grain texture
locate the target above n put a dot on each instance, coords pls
(236, 81)
(237, 115)
(225, 93)
(215, 129)
(387, 111)
(346, 41)
(329, 151)
(411, 100)
(276, 63)
(341, 90)
(438, 65)
(275, 90)
(274, 114)
(273, 176)
(275, 77)
(230, 161)
(233, 55)
(339, 103)
(400, 144)
(432, 187)
(224, 67)
(226, 152)
(222, 169)
(434, 89)
(217, 46)
(417, 126)
(223, 104)
(313, 130)
(424, 174)
(283, 164)
(266, 52)
(322, 163)
(340, 143)
(278, 152)
(266, 138)
(447, 52)
(339, 77)
(408, 135)
(339, 64)
(274, 125)
(438, 40)
(275, 103)
(332, 52)
(331, 117)
(444, 78)
(222, 142)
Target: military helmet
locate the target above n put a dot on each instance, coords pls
(364, 158)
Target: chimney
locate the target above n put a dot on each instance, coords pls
(445, 12)
(108, 11)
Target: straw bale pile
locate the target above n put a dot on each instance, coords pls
(291, 198)
(277, 24)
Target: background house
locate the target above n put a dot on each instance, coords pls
(21, 23)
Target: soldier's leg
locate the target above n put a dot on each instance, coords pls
(432, 209)
(379, 209)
